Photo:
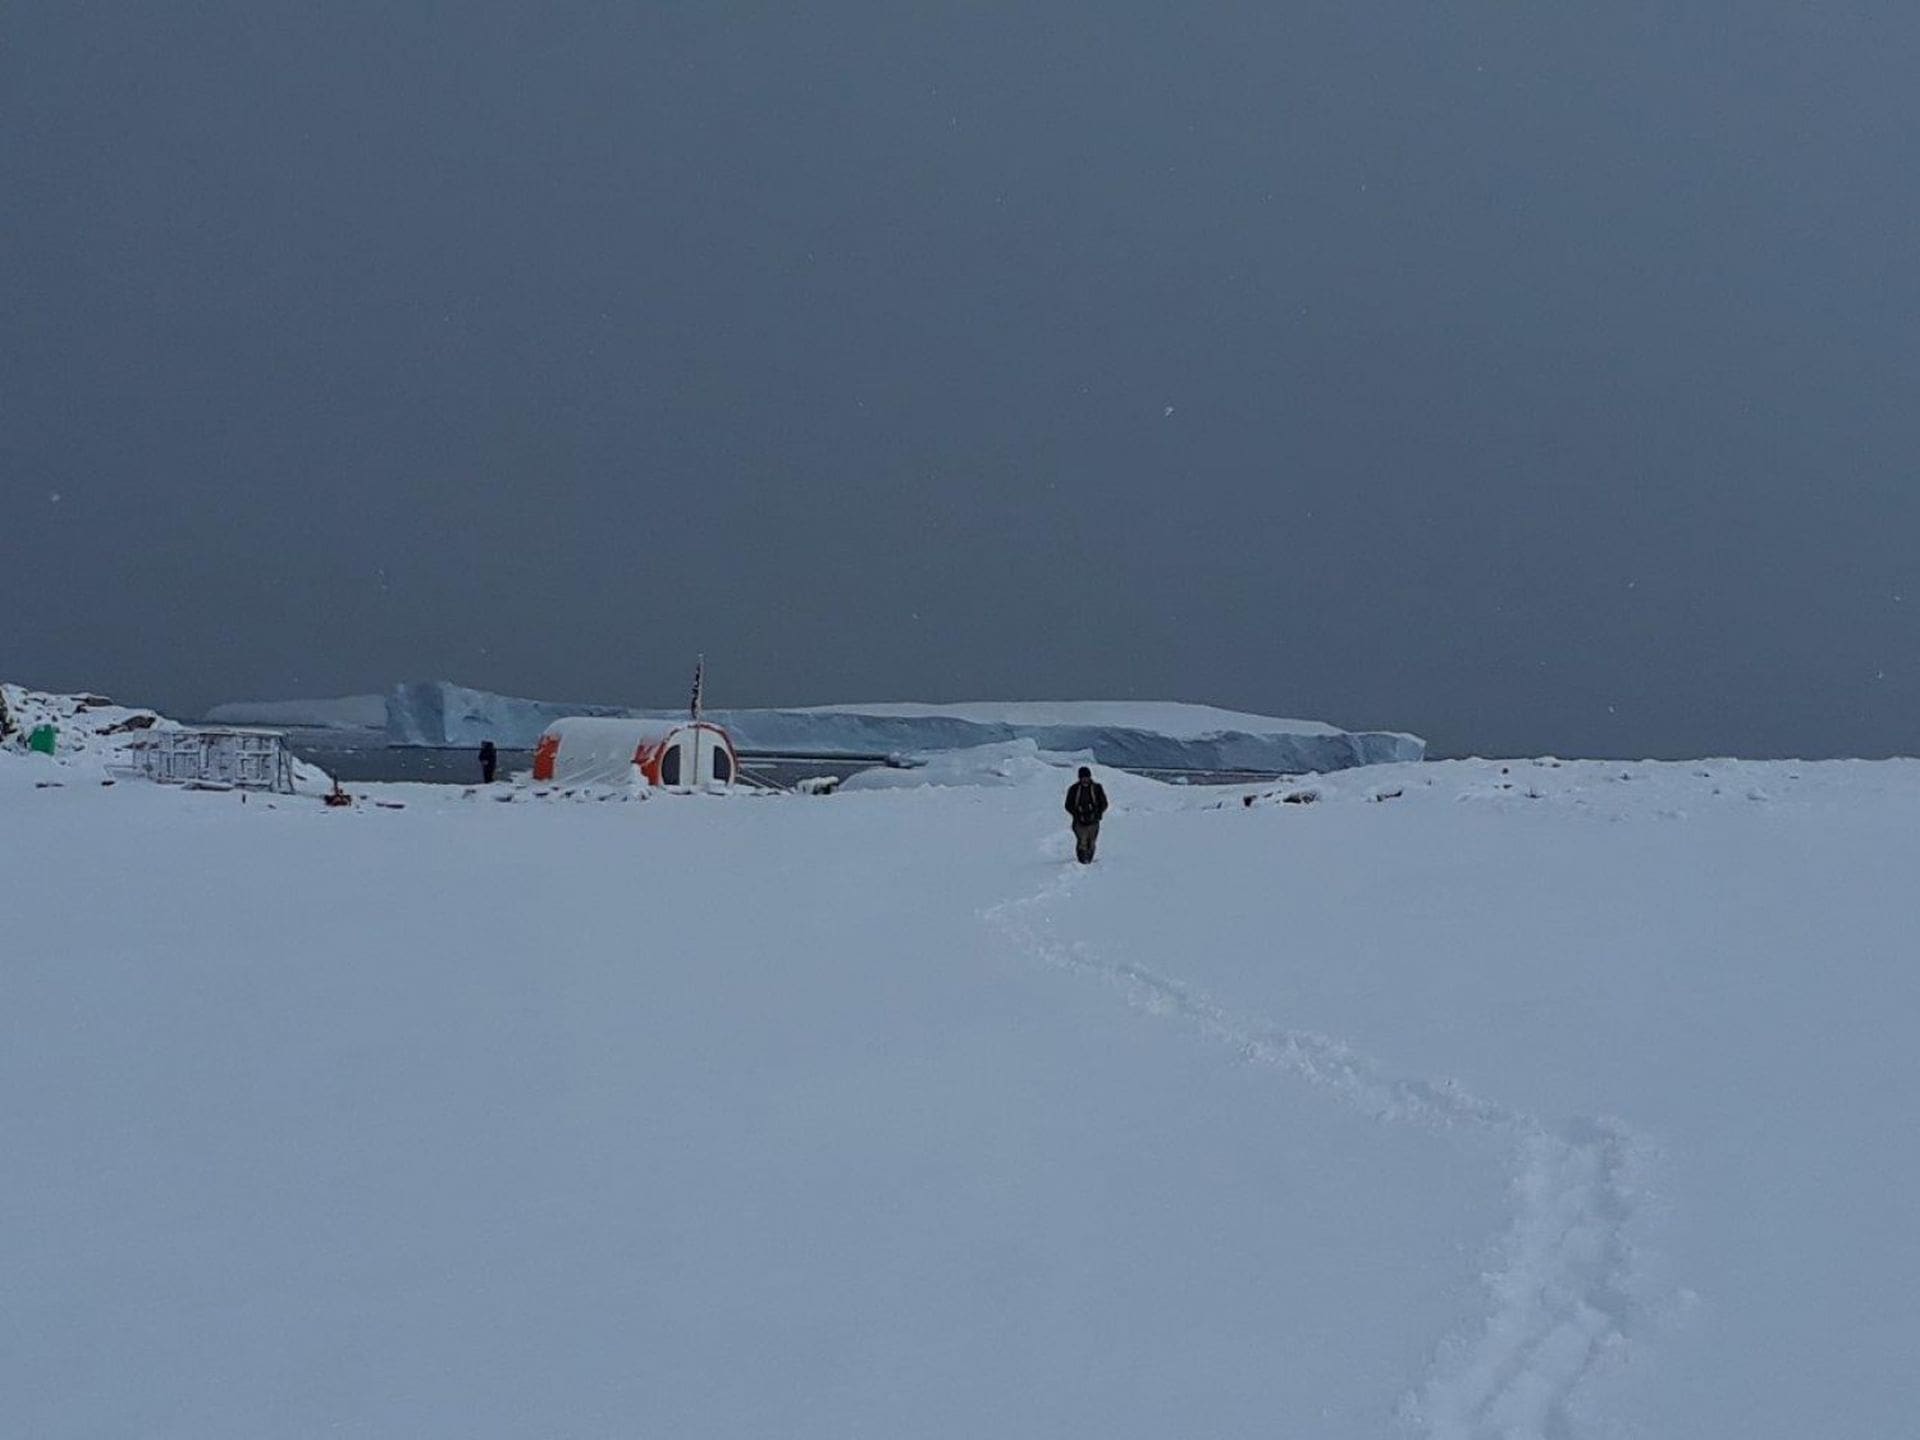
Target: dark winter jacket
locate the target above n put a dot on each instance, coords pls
(1086, 802)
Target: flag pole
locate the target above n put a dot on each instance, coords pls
(699, 676)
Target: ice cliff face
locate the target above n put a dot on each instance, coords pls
(349, 712)
(1144, 736)
(439, 715)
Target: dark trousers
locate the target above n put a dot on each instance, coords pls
(486, 771)
(1085, 837)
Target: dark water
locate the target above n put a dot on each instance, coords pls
(391, 762)
(383, 763)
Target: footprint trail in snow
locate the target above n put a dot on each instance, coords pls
(1563, 1287)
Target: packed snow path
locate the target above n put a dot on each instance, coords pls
(1561, 1297)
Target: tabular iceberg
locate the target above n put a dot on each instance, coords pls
(1136, 735)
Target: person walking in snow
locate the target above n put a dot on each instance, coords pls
(1086, 803)
(489, 762)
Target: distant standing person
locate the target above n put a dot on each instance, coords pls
(489, 762)
(1086, 803)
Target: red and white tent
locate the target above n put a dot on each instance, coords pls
(591, 750)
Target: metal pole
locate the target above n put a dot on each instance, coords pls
(699, 676)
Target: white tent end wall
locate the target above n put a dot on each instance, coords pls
(595, 750)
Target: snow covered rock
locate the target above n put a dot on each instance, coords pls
(89, 730)
(91, 735)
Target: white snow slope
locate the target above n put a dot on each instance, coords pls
(1539, 1101)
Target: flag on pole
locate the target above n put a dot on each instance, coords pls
(699, 677)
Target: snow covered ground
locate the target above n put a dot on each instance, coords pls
(1453, 1100)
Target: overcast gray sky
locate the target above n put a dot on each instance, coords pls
(1534, 377)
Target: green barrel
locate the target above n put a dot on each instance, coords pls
(42, 739)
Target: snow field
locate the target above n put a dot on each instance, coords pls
(1462, 1114)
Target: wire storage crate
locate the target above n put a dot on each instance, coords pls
(229, 759)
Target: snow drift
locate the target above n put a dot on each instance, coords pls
(1012, 762)
(1128, 734)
